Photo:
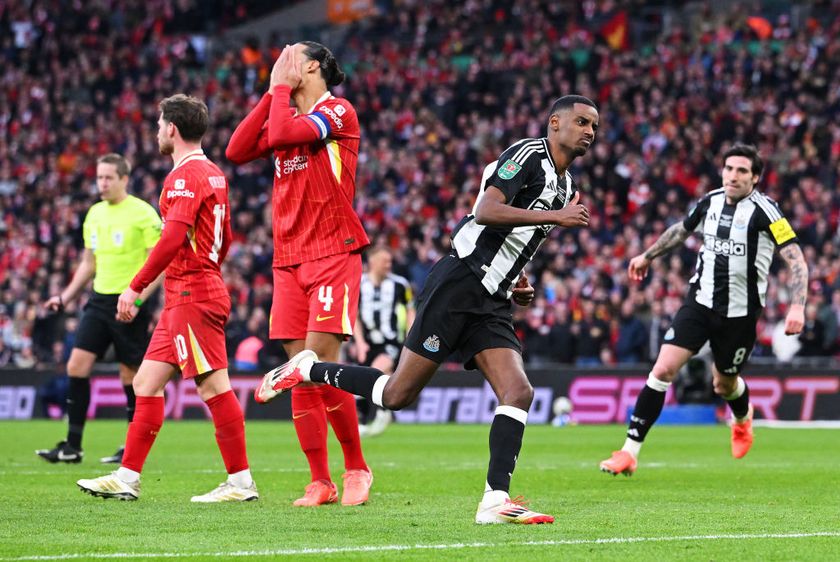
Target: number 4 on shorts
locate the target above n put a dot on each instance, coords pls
(325, 296)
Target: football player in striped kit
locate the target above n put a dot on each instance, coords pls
(741, 229)
(465, 303)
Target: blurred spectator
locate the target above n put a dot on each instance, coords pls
(632, 340)
(812, 337)
(592, 335)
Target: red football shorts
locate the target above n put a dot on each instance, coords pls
(316, 296)
(192, 336)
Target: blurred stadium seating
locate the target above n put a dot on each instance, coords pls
(440, 88)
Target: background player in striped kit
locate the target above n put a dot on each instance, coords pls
(465, 303)
(119, 232)
(318, 238)
(190, 335)
(741, 229)
(386, 312)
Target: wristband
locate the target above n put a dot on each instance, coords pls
(139, 302)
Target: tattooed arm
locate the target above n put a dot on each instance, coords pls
(670, 239)
(795, 320)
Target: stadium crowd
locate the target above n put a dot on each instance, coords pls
(441, 88)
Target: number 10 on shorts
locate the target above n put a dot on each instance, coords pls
(325, 296)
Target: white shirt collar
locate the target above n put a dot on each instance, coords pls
(327, 95)
(195, 154)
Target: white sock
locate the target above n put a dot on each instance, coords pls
(494, 497)
(304, 367)
(127, 475)
(656, 384)
(632, 447)
(241, 479)
(739, 390)
(379, 389)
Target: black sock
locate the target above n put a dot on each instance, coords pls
(130, 401)
(648, 407)
(78, 400)
(354, 379)
(740, 406)
(505, 443)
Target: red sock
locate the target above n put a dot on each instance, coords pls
(142, 431)
(230, 430)
(341, 411)
(311, 427)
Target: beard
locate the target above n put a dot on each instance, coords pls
(166, 148)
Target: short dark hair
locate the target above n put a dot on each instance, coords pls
(378, 249)
(568, 102)
(747, 151)
(187, 113)
(118, 160)
(330, 71)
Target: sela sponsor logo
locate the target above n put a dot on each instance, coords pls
(541, 205)
(724, 247)
(432, 344)
(335, 116)
(217, 182)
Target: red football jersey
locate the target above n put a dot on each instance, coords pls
(315, 154)
(196, 193)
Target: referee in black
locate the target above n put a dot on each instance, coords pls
(119, 232)
(465, 303)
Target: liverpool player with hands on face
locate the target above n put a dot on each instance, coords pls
(741, 229)
(465, 303)
(190, 336)
(318, 239)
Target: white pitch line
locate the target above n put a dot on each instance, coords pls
(404, 547)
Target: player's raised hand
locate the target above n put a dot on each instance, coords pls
(274, 80)
(638, 268)
(573, 214)
(286, 69)
(795, 319)
(523, 292)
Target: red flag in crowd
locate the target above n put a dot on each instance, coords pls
(616, 31)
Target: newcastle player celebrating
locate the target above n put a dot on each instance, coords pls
(465, 303)
(741, 229)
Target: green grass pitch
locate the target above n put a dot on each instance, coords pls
(689, 500)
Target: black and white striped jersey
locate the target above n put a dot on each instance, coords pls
(383, 307)
(526, 174)
(738, 245)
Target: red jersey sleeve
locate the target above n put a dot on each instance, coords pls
(286, 129)
(339, 118)
(183, 197)
(171, 239)
(250, 139)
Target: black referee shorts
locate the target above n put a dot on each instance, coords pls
(731, 339)
(99, 328)
(456, 313)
